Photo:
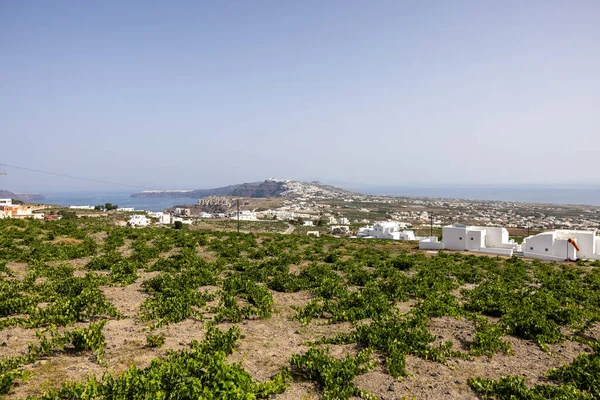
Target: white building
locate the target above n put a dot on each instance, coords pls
(491, 240)
(560, 245)
(431, 243)
(5, 202)
(163, 218)
(343, 221)
(138, 220)
(182, 211)
(205, 215)
(182, 220)
(312, 233)
(81, 207)
(308, 223)
(17, 211)
(385, 230)
(278, 214)
(126, 209)
(339, 229)
(244, 216)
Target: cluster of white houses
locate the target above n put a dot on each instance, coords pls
(161, 218)
(490, 240)
(386, 230)
(557, 245)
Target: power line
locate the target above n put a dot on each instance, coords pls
(75, 177)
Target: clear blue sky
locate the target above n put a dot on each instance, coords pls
(206, 93)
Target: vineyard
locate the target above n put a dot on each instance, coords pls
(90, 310)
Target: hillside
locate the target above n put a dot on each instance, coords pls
(6, 194)
(267, 189)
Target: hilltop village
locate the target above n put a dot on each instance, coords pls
(313, 201)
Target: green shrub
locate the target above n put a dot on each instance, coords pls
(487, 340)
(155, 341)
(201, 372)
(333, 375)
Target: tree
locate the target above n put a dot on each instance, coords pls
(67, 214)
(99, 207)
(297, 221)
(178, 225)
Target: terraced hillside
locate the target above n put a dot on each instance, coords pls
(90, 310)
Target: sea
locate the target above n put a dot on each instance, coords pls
(545, 195)
(121, 199)
(582, 195)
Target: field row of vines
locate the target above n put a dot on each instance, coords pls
(55, 274)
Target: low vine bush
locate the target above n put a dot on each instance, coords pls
(51, 341)
(578, 380)
(200, 372)
(333, 375)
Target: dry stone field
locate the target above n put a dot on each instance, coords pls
(90, 310)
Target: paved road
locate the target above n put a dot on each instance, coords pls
(289, 230)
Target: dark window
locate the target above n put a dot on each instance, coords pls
(460, 238)
(531, 248)
(471, 238)
(546, 249)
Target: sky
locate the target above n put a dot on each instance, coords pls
(198, 94)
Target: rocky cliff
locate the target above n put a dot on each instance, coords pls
(267, 189)
(27, 197)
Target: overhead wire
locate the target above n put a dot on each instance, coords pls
(75, 177)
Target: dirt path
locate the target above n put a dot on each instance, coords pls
(289, 230)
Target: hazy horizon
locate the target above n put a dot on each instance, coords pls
(570, 194)
(356, 186)
(199, 95)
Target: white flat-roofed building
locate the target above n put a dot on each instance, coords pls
(138, 220)
(163, 218)
(244, 215)
(563, 244)
(385, 230)
(481, 239)
(431, 243)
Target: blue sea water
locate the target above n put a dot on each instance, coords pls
(121, 199)
(540, 194)
(549, 195)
